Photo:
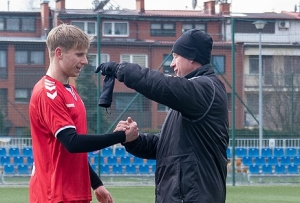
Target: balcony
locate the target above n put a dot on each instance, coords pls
(271, 82)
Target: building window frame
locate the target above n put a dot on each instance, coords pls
(93, 59)
(140, 59)
(115, 29)
(89, 27)
(267, 68)
(22, 95)
(168, 58)
(188, 26)
(163, 29)
(218, 62)
(3, 64)
(29, 57)
(17, 24)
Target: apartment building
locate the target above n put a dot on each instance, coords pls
(140, 36)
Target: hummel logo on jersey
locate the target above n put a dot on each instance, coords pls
(70, 105)
(51, 89)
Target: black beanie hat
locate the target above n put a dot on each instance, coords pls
(195, 45)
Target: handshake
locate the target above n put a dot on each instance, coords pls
(130, 127)
(108, 68)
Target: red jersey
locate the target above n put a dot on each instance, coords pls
(57, 175)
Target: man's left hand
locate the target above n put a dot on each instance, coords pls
(102, 195)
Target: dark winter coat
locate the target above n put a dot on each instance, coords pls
(190, 150)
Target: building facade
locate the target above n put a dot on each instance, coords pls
(144, 37)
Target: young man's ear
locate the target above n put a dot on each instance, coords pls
(58, 52)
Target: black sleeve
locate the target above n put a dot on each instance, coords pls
(75, 143)
(144, 146)
(95, 180)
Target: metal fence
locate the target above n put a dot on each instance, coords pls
(21, 143)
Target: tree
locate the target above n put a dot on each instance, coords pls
(281, 108)
(95, 3)
(87, 89)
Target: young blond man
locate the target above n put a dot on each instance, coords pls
(61, 171)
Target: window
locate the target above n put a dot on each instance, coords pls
(253, 64)
(25, 24)
(1, 24)
(116, 29)
(291, 64)
(93, 60)
(22, 95)
(168, 58)
(89, 27)
(25, 79)
(267, 68)
(246, 26)
(163, 29)
(29, 57)
(218, 62)
(3, 101)
(3, 64)
(252, 103)
(188, 26)
(13, 24)
(37, 57)
(124, 100)
(141, 60)
(162, 108)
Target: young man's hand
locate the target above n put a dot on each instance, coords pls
(103, 195)
(132, 130)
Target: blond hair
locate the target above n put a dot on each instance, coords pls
(67, 37)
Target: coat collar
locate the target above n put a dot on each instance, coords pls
(203, 70)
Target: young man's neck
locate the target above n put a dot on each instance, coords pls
(52, 72)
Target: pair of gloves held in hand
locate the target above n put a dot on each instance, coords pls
(108, 69)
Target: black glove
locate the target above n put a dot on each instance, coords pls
(108, 68)
(107, 92)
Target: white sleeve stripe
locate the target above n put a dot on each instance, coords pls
(63, 128)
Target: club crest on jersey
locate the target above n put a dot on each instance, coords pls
(51, 89)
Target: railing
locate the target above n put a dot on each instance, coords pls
(8, 142)
(21, 143)
(246, 143)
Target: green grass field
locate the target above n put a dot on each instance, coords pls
(145, 194)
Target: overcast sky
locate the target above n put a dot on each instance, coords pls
(237, 6)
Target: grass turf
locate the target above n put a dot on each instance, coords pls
(235, 194)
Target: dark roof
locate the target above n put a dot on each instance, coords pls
(268, 15)
(135, 14)
(174, 14)
(19, 13)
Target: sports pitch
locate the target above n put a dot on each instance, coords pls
(145, 194)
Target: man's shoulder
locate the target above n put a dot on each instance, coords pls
(47, 87)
